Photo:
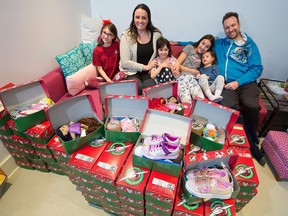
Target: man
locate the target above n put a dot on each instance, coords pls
(239, 62)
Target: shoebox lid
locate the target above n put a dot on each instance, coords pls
(109, 165)
(166, 90)
(124, 87)
(132, 180)
(40, 133)
(3, 111)
(228, 207)
(245, 172)
(71, 110)
(161, 189)
(237, 137)
(122, 107)
(25, 94)
(83, 159)
(216, 114)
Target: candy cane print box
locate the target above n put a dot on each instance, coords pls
(221, 121)
(124, 116)
(220, 207)
(22, 102)
(110, 163)
(132, 180)
(237, 137)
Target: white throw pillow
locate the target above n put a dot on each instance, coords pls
(90, 28)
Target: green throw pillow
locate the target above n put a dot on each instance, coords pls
(71, 61)
(87, 51)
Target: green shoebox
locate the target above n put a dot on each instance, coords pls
(216, 114)
(120, 107)
(72, 110)
(26, 94)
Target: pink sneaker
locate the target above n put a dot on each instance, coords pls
(209, 188)
(206, 172)
(170, 139)
(153, 140)
(160, 151)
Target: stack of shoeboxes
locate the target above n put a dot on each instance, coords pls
(29, 134)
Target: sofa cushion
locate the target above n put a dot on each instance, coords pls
(87, 51)
(75, 82)
(176, 50)
(71, 61)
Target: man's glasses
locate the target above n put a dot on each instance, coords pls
(107, 34)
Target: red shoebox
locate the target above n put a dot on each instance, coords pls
(241, 201)
(161, 189)
(166, 90)
(121, 107)
(3, 112)
(58, 150)
(237, 137)
(109, 165)
(41, 147)
(246, 173)
(83, 159)
(132, 180)
(152, 207)
(53, 142)
(216, 114)
(247, 195)
(132, 209)
(212, 206)
(131, 201)
(41, 132)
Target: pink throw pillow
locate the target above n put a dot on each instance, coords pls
(75, 82)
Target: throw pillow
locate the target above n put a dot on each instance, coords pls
(71, 61)
(87, 51)
(75, 82)
(90, 29)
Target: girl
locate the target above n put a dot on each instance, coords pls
(189, 60)
(167, 66)
(210, 81)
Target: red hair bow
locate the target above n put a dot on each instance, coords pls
(105, 22)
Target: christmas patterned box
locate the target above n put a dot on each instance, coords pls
(40, 133)
(161, 189)
(132, 209)
(220, 207)
(4, 114)
(156, 122)
(159, 96)
(83, 159)
(153, 207)
(72, 110)
(220, 116)
(237, 137)
(12, 126)
(132, 180)
(23, 104)
(124, 116)
(131, 201)
(248, 195)
(109, 165)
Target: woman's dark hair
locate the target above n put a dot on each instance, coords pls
(161, 42)
(112, 28)
(208, 37)
(150, 27)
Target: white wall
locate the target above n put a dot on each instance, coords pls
(33, 32)
(265, 21)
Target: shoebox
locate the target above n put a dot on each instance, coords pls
(72, 110)
(108, 191)
(237, 137)
(83, 159)
(127, 213)
(121, 107)
(4, 114)
(41, 147)
(58, 150)
(12, 126)
(248, 195)
(220, 158)
(40, 133)
(164, 91)
(26, 94)
(216, 114)
(152, 207)
(5, 130)
(161, 189)
(111, 209)
(241, 201)
(24, 164)
(109, 165)
(158, 122)
(3, 179)
(220, 207)
(132, 181)
(105, 200)
(131, 201)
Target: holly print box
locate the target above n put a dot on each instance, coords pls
(124, 116)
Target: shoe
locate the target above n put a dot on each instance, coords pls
(161, 151)
(209, 188)
(158, 139)
(170, 139)
(208, 173)
(153, 140)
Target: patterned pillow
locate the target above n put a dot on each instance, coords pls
(71, 61)
(87, 51)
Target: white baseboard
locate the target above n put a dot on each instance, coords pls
(9, 166)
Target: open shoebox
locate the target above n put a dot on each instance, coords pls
(164, 91)
(157, 122)
(71, 110)
(4, 114)
(25, 95)
(215, 114)
(218, 158)
(120, 108)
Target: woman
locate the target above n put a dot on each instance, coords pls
(138, 48)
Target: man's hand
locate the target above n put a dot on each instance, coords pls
(232, 85)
